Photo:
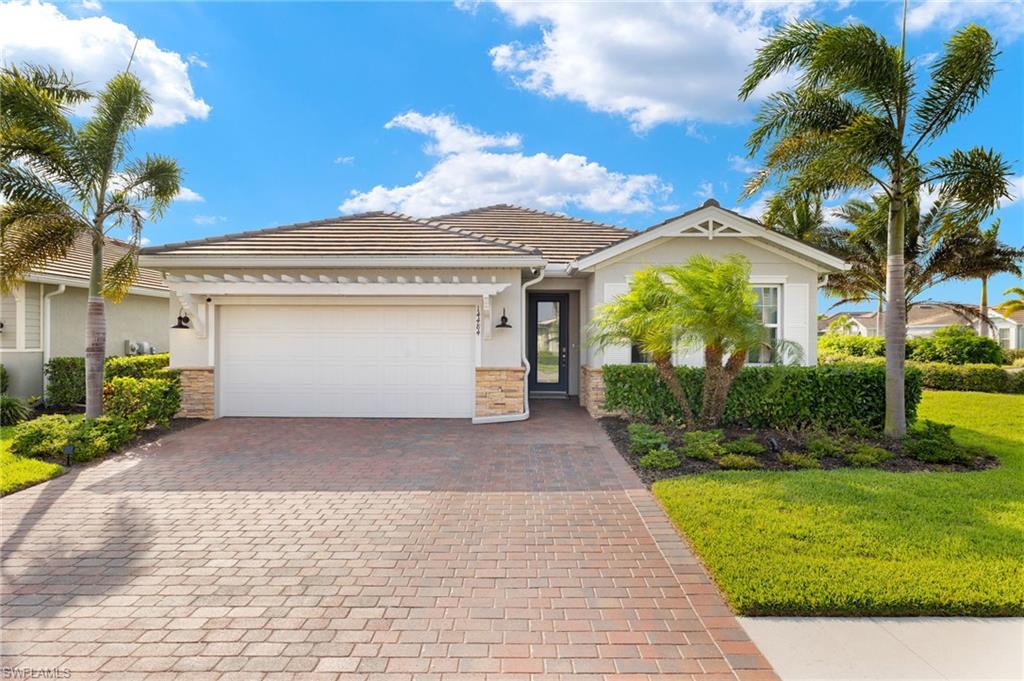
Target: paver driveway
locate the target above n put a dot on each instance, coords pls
(276, 548)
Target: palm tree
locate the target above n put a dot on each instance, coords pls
(981, 254)
(934, 252)
(854, 121)
(1012, 305)
(801, 217)
(705, 302)
(60, 182)
(642, 316)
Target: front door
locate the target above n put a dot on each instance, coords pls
(548, 321)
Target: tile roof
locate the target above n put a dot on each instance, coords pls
(78, 264)
(922, 314)
(560, 238)
(365, 234)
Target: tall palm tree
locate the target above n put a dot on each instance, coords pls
(934, 252)
(981, 255)
(855, 121)
(704, 302)
(1012, 305)
(60, 182)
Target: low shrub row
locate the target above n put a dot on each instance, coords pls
(851, 394)
(131, 405)
(985, 378)
(66, 375)
(949, 345)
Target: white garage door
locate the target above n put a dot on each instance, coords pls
(311, 360)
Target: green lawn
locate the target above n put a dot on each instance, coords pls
(860, 542)
(18, 472)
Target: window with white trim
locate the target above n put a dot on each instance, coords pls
(1004, 337)
(768, 306)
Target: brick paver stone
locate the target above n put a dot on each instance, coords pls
(362, 548)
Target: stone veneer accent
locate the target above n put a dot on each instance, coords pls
(196, 392)
(592, 391)
(499, 391)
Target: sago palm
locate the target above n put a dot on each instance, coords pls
(856, 120)
(61, 182)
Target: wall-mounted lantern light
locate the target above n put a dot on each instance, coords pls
(503, 324)
(183, 320)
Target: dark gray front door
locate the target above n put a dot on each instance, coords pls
(548, 347)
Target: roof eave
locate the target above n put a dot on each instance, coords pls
(162, 261)
(78, 282)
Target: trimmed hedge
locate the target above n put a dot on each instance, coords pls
(66, 375)
(142, 401)
(835, 347)
(950, 345)
(65, 381)
(136, 366)
(828, 397)
(984, 378)
(46, 436)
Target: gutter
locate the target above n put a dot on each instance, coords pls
(526, 362)
(46, 329)
(164, 262)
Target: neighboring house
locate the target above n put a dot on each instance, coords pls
(45, 316)
(380, 314)
(925, 318)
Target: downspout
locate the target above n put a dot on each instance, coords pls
(526, 362)
(46, 331)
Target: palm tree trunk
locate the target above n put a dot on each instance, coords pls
(895, 320)
(878, 315)
(986, 325)
(95, 333)
(668, 374)
(717, 381)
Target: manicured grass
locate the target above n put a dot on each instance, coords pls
(866, 542)
(18, 472)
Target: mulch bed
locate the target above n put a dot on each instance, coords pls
(775, 442)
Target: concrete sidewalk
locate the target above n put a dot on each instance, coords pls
(883, 649)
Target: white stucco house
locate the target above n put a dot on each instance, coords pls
(44, 316)
(925, 319)
(467, 315)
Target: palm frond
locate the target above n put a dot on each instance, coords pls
(122, 107)
(790, 46)
(119, 276)
(153, 179)
(976, 179)
(959, 79)
(32, 238)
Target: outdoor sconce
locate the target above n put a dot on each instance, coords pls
(503, 324)
(183, 320)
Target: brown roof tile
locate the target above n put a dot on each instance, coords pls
(365, 234)
(78, 264)
(560, 238)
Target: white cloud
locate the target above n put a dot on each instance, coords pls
(653, 63)
(705, 190)
(756, 209)
(95, 48)
(741, 164)
(448, 135)
(186, 195)
(208, 219)
(196, 60)
(90, 5)
(1016, 190)
(470, 174)
(345, 160)
(1005, 18)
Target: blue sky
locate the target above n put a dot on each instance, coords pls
(283, 112)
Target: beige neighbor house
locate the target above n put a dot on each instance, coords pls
(926, 318)
(469, 315)
(45, 316)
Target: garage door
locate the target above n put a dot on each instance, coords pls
(368, 361)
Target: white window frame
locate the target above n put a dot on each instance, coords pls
(780, 288)
(1005, 342)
